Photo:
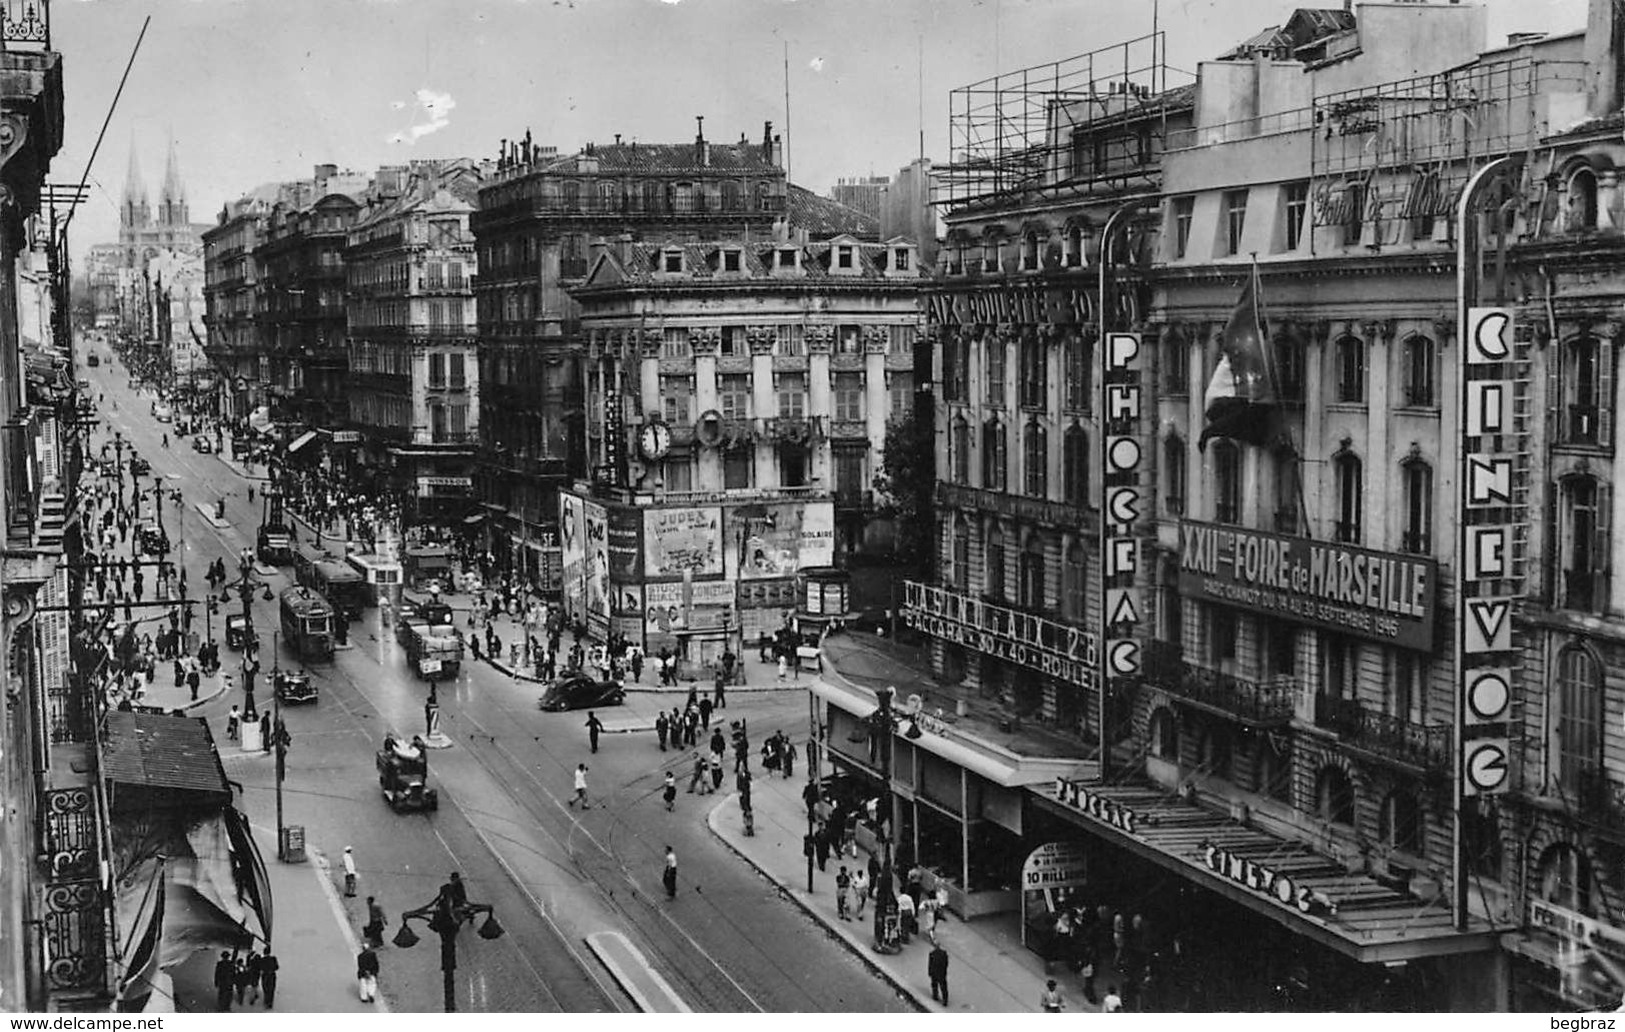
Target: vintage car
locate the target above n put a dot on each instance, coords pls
(139, 467)
(162, 412)
(153, 539)
(202, 444)
(576, 691)
(93, 360)
(294, 688)
(403, 775)
(236, 630)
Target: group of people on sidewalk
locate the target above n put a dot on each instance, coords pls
(241, 978)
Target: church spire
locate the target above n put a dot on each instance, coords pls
(136, 209)
(172, 203)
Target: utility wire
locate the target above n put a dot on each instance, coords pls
(63, 231)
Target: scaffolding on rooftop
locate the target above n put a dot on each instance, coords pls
(1016, 136)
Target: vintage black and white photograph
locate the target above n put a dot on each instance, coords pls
(758, 507)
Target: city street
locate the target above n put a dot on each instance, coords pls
(554, 875)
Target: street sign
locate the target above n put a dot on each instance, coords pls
(1485, 766)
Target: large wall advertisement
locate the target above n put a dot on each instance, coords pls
(688, 606)
(625, 544)
(573, 553)
(778, 539)
(1376, 595)
(595, 522)
(679, 541)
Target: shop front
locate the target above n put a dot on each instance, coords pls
(956, 790)
(1566, 959)
(1195, 881)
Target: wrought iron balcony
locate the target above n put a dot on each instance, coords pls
(1383, 735)
(1257, 702)
(26, 24)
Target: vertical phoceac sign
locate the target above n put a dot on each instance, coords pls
(1122, 406)
(1492, 507)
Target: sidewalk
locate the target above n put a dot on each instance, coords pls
(989, 971)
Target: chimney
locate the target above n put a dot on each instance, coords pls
(617, 139)
(702, 150)
(623, 247)
(1603, 51)
(767, 142)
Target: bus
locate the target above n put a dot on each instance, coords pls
(342, 586)
(307, 624)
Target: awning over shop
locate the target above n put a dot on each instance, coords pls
(1000, 766)
(302, 440)
(1312, 894)
(478, 517)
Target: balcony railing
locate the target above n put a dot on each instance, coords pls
(26, 24)
(1418, 745)
(1269, 701)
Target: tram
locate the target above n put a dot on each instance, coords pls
(307, 624)
(336, 581)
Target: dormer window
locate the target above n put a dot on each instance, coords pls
(731, 261)
(900, 259)
(671, 261)
(843, 257)
(787, 257)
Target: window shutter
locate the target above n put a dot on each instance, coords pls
(1600, 554)
(1605, 393)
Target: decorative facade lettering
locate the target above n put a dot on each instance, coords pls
(1106, 811)
(1266, 881)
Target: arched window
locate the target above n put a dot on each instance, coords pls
(1074, 244)
(994, 569)
(1350, 364)
(1214, 757)
(1173, 475)
(961, 563)
(1582, 543)
(1585, 372)
(1226, 482)
(995, 460)
(1074, 576)
(1416, 478)
(1579, 720)
(995, 353)
(1076, 354)
(1581, 214)
(1031, 580)
(1029, 250)
(1350, 478)
(959, 443)
(1399, 825)
(1033, 357)
(1420, 368)
(1287, 489)
(1565, 878)
(1075, 465)
(1164, 736)
(1334, 797)
(1035, 459)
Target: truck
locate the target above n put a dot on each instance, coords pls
(434, 650)
(275, 536)
(403, 774)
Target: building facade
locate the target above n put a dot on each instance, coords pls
(413, 386)
(536, 218)
(738, 399)
(231, 280)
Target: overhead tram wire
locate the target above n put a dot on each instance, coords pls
(108, 120)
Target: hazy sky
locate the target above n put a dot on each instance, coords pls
(259, 90)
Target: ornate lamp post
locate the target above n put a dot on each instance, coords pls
(445, 916)
(885, 895)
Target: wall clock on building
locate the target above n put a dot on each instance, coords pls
(654, 441)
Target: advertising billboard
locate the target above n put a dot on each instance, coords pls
(679, 541)
(625, 544)
(777, 539)
(1380, 596)
(595, 521)
(688, 606)
(572, 555)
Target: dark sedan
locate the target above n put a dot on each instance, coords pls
(577, 692)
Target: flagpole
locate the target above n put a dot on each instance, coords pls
(1275, 385)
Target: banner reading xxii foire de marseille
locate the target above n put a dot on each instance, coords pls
(1382, 596)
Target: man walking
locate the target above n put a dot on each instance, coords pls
(595, 727)
(269, 966)
(936, 966)
(366, 974)
(661, 727)
(843, 890)
(349, 872)
(225, 981)
(374, 929)
(581, 788)
(669, 876)
(669, 792)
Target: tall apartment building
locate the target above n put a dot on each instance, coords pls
(738, 398)
(1278, 740)
(413, 386)
(536, 217)
(231, 279)
(862, 193)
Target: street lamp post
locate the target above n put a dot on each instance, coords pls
(885, 895)
(445, 916)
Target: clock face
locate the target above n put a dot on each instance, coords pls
(655, 440)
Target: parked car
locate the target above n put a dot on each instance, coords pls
(153, 539)
(162, 412)
(139, 467)
(202, 445)
(576, 691)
